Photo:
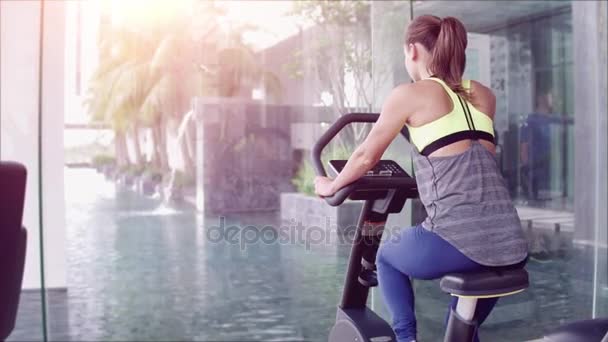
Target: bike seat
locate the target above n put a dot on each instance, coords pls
(494, 283)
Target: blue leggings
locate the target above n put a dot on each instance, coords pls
(419, 253)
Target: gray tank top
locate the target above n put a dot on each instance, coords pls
(468, 205)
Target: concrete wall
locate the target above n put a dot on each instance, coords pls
(589, 26)
(245, 157)
(19, 33)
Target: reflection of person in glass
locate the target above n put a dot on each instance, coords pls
(471, 223)
(535, 148)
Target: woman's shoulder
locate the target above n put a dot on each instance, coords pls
(413, 95)
(425, 88)
(481, 89)
(483, 97)
(408, 92)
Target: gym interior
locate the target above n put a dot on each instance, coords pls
(169, 191)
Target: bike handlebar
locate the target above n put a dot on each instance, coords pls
(342, 194)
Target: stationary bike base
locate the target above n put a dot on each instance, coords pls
(360, 325)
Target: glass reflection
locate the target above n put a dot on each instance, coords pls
(205, 114)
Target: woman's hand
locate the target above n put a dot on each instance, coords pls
(324, 186)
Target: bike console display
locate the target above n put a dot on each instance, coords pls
(384, 168)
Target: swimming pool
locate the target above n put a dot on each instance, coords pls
(141, 270)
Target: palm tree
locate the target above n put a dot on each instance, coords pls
(102, 103)
(176, 80)
(217, 64)
(147, 78)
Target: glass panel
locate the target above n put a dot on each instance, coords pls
(19, 81)
(601, 280)
(389, 19)
(601, 299)
(530, 63)
(189, 211)
(191, 129)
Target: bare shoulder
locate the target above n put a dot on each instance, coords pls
(402, 101)
(405, 89)
(483, 98)
(416, 93)
(481, 89)
(400, 95)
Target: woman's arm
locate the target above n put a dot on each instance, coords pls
(395, 111)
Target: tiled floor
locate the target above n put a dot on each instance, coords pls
(139, 270)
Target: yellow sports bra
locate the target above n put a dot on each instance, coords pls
(462, 123)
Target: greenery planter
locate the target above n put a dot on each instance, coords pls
(312, 211)
(175, 194)
(148, 186)
(109, 171)
(149, 183)
(103, 163)
(126, 180)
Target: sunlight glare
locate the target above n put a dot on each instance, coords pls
(270, 19)
(143, 13)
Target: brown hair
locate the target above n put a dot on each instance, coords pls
(446, 40)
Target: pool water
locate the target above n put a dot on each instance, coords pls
(142, 270)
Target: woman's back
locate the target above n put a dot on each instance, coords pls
(460, 184)
(436, 102)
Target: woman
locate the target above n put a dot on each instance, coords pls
(471, 223)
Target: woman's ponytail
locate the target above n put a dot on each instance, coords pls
(446, 40)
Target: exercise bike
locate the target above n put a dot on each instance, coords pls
(385, 190)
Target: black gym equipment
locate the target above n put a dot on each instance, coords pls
(593, 330)
(12, 243)
(385, 189)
